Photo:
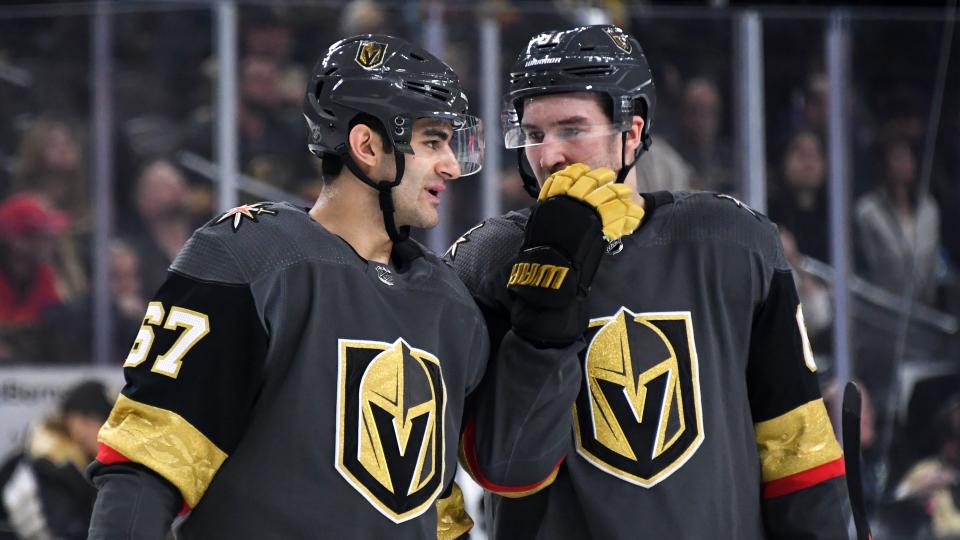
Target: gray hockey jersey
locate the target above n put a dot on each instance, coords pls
(697, 412)
(288, 388)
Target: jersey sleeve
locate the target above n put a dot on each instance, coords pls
(453, 521)
(192, 374)
(518, 426)
(801, 462)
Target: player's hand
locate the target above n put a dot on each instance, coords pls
(562, 247)
(618, 213)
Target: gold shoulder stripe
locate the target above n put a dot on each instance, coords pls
(165, 443)
(796, 441)
(453, 521)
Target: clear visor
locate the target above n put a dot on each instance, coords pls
(562, 127)
(459, 135)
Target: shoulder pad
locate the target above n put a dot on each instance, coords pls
(718, 216)
(486, 247)
(250, 240)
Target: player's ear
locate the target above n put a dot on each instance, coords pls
(365, 146)
(633, 135)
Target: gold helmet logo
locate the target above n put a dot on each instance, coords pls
(619, 39)
(391, 446)
(370, 54)
(638, 414)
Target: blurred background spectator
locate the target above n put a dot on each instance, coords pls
(269, 128)
(44, 493)
(700, 140)
(29, 289)
(663, 168)
(51, 167)
(930, 491)
(50, 164)
(126, 292)
(897, 226)
(163, 223)
(800, 203)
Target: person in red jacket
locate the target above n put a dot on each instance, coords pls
(28, 285)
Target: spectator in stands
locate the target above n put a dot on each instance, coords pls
(663, 168)
(266, 35)
(126, 296)
(28, 286)
(700, 140)
(50, 163)
(162, 200)
(266, 126)
(50, 166)
(933, 484)
(46, 495)
(125, 284)
(801, 204)
(897, 227)
(363, 17)
(269, 129)
(74, 328)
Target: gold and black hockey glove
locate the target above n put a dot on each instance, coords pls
(578, 210)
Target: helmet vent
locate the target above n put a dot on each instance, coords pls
(330, 71)
(587, 48)
(416, 56)
(329, 114)
(591, 71)
(429, 90)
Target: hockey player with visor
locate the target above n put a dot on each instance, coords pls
(691, 402)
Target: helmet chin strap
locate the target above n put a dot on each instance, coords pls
(624, 168)
(383, 188)
(530, 184)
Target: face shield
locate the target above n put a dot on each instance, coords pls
(564, 127)
(459, 134)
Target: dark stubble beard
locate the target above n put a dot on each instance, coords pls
(611, 160)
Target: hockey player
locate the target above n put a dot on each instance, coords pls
(697, 412)
(302, 373)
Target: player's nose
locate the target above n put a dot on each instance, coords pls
(448, 167)
(552, 157)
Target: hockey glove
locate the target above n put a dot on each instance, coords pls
(564, 240)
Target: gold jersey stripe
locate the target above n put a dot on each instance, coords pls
(796, 441)
(165, 443)
(453, 521)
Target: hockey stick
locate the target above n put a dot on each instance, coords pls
(851, 457)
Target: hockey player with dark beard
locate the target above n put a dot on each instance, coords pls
(302, 373)
(693, 405)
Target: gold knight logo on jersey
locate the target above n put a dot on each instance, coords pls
(390, 416)
(638, 415)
